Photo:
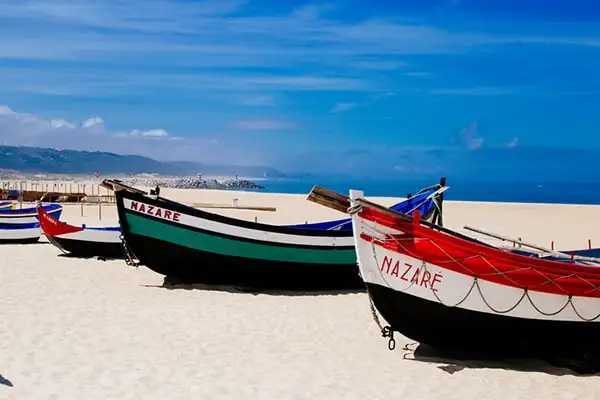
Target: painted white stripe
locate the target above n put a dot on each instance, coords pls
(92, 235)
(452, 287)
(20, 234)
(256, 234)
(28, 218)
(20, 219)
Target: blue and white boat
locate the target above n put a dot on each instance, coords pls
(22, 225)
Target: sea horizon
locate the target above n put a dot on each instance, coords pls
(505, 192)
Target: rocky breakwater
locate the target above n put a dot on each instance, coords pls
(193, 183)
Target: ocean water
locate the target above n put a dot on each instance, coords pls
(519, 192)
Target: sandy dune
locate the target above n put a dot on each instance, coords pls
(75, 329)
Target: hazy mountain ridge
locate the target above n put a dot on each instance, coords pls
(46, 160)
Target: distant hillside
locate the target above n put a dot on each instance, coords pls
(36, 159)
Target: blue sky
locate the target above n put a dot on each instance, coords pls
(301, 85)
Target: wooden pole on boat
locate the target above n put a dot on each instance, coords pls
(236, 207)
(533, 246)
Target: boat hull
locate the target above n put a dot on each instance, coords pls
(461, 330)
(87, 248)
(449, 293)
(185, 265)
(22, 234)
(7, 206)
(81, 241)
(211, 249)
(28, 215)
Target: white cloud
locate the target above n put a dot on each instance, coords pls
(92, 122)
(23, 129)
(150, 133)
(18, 128)
(513, 143)
(470, 137)
(61, 123)
(6, 111)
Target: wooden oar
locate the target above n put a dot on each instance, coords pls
(329, 199)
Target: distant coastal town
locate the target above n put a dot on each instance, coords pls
(140, 180)
(197, 182)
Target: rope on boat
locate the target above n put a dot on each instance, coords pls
(387, 330)
(129, 259)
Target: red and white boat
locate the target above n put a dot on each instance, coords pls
(446, 290)
(81, 241)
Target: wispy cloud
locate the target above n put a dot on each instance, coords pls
(66, 82)
(149, 133)
(257, 100)
(470, 138)
(513, 143)
(264, 124)
(343, 107)
(418, 74)
(137, 35)
(481, 91)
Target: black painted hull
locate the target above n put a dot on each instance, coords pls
(87, 249)
(193, 266)
(20, 241)
(455, 328)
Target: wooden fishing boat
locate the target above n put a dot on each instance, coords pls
(22, 225)
(191, 245)
(7, 205)
(83, 241)
(443, 289)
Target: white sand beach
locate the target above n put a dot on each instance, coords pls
(90, 329)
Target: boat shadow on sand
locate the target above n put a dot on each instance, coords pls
(5, 382)
(455, 361)
(87, 257)
(232, 288)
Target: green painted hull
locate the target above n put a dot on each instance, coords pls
(209, 243)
